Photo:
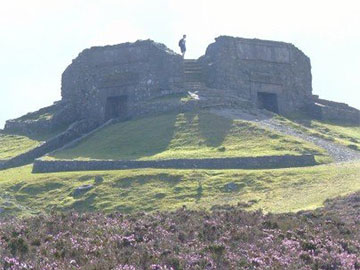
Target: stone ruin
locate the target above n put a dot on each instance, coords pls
(142, 78)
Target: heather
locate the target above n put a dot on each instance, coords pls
(225, 238)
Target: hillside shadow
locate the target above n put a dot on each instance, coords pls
(148, 137)
(129, 140)
(214, 128)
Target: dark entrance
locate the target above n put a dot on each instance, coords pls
(116, 107)
(268, 101)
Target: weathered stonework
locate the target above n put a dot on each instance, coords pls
(114, 81)
(259, 69)
(57, 116)
(265, 162)
(130, 80)
(334, 111)
(116, 78)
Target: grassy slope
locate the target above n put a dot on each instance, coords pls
(278, 190)
(12, 145)
(183, 135)
(190, 135)
(347, 135)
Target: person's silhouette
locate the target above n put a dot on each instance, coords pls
(182, 45)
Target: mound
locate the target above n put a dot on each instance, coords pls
(13, 145)
(185, 135)
(128, 191)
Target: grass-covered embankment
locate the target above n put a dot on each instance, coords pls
(12, 145)
(186, 135)
(280, 190)
(341, 133)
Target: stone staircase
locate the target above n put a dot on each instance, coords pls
(193, 76)
(208, 97)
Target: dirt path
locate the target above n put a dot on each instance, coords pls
(338, 152)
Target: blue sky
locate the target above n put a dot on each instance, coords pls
(40, 38)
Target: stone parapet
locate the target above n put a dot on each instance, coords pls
(327, 110)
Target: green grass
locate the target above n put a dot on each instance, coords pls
(347, 135)
(189, 135)
(13, 145)
(280, 190)
(344, 134)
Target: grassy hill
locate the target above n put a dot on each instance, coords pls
(12, 145)
(185, 135)
(342, 133)
(280, 190)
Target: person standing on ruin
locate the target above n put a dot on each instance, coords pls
(182, 45)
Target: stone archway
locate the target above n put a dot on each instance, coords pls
(268, 101)
(116, 107)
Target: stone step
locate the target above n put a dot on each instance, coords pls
(193, 71)
(193, 75)
(191, 86)
(192, 68)
(199, 70)
(190, 60)
(197, 87)
(192, 65)
(195, 83)
(198, 84)
(193, 79)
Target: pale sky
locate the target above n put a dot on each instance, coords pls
(39, 38)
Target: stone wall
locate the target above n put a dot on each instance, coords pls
(138, 72)
(267, 162)
(51, 118)
(74, 131)
(125, 80)
(132, 71)
(2, 163)
(334, 111)
(250, 66)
